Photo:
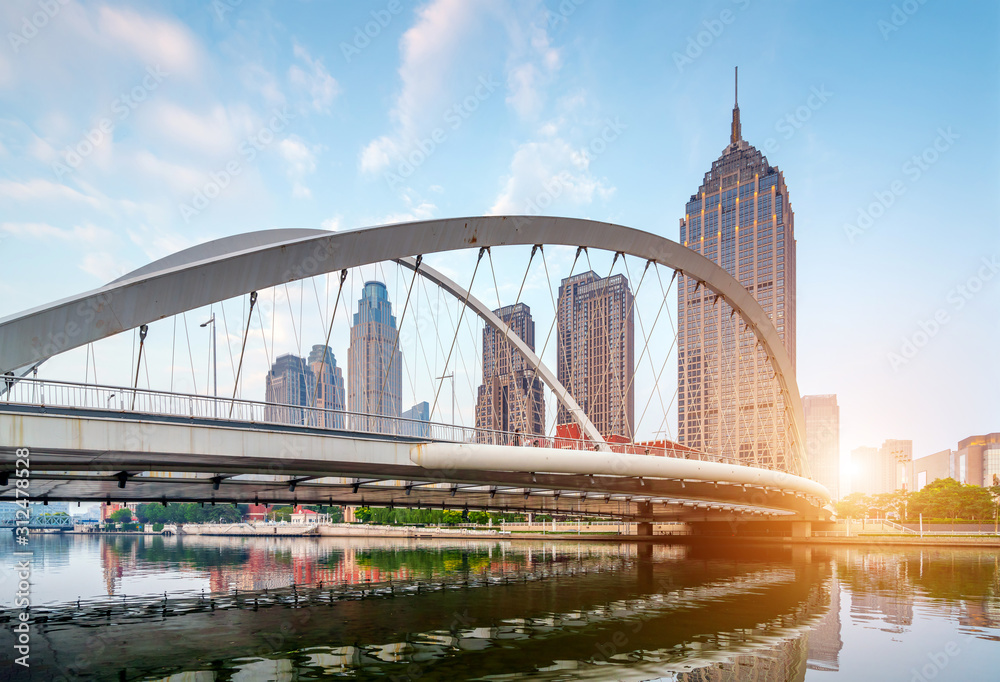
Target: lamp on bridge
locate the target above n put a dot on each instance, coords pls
(215, 368)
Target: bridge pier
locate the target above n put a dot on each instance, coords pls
(644, 519)
(801, 529)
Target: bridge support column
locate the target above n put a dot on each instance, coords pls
(644, 519)
(801, 529)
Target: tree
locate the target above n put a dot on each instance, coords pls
(479, 517)
(363, 514)
(853, 506)
(452, 516)
(947, 498)
(123, 515)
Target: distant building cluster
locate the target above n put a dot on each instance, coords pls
(311, 391)
(891, 467)
(976, 460)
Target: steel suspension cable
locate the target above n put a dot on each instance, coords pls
(454, 339)
(229, 346)
(659, 312)
(187, 335)
(143, 330)
(522, 399)
(395, 341)
(555, 318)
(239, 368)
(621, 337)
(326, 343)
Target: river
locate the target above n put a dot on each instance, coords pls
(240, 609)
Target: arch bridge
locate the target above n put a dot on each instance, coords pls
(170, 446)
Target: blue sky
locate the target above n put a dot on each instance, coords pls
(313, 119)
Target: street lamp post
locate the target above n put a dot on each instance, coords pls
(215, 366)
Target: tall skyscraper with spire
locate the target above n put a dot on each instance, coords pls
(374, 362)
(740, 218)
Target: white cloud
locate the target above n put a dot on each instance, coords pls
(417, 209)
(43, 191)
(547, 171)
(428, 51)
(87, 233)
(157, 242)
(180, 179)
(212, 133)
(317, 82)
(332, 224)
(533, 68)
(103, 266)
(157, 41)
(301, 162)
(259, 79)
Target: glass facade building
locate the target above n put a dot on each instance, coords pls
(595, 350)
(328, 389)
(374, 364)
(822, 416)
(729, 402)
(511, 397)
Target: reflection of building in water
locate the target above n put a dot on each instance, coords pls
(786, 662)
(825, 642)
(115, 560)
(882, 590)
(980, 614)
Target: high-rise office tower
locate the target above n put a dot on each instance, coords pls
(897, 465)
(884, 469)
(287, 384)
(511, 398)
(740, 218)
(595, 350)
(326, 388)
(374, 365)
(823, 440)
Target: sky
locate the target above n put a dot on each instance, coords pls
(131, 130)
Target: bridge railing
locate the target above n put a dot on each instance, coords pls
(118, 399)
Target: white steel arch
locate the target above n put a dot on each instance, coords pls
(233, 266)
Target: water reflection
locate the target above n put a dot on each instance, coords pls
(296, 608)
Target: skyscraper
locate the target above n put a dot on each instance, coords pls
(740, 218)
(288, 383)
(882, 470)
(326, 389)
(374, 365)
(511, 397)
(823, 440)
(595, 350)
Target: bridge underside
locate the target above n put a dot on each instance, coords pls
(81, 455)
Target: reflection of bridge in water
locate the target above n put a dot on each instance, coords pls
(127, 444)
(673, 612)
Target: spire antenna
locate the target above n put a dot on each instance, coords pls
(736, 135)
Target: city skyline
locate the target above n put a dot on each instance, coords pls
(873, 190)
